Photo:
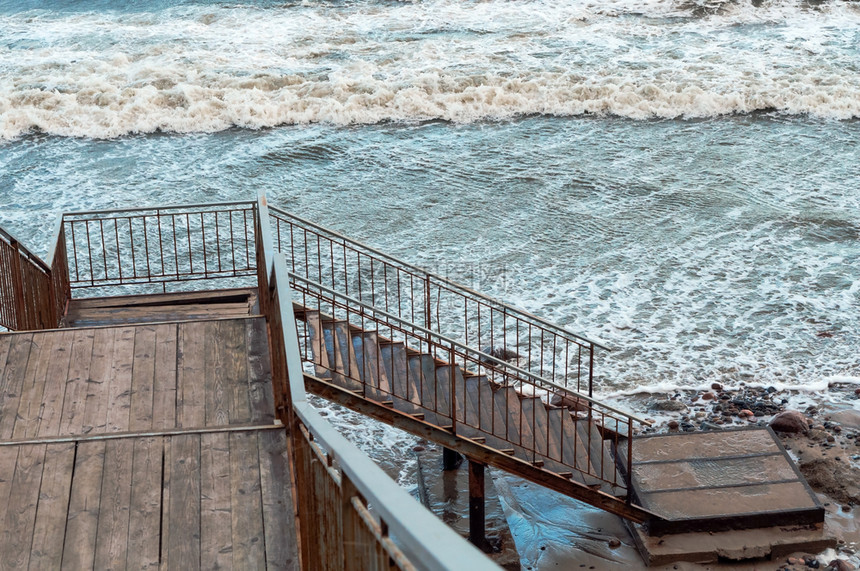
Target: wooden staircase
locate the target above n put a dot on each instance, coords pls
(568, 445)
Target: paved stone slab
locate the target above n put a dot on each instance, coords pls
(718, 481)
(709, 547)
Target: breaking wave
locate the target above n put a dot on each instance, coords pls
(207, 68)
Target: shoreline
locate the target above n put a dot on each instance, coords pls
(825, 447)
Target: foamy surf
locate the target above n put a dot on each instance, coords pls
(206, 68)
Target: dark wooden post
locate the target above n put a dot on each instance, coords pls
(451, 459)
(477, 529)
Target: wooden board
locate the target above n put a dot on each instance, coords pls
(20, 520)
(183, 510)
(145, 504)
(52, 511)
(190, 385)
(74, 403)
(262, 408)
(277, 502)
(83, 515)
(246, 502)
(119, 389)
(164, 387)
(111, 549)
(142, 379)
(55, 385)
(30, 402)
(216, 539)
(235, 370)
(12, 381)
(217, 388)
(96, 401)
(110, 316)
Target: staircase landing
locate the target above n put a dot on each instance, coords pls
(143, 445)
(717, 481)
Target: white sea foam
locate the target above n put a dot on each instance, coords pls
(208, 68)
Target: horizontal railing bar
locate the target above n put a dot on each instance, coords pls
(513, 310)
(485, 357)
(144, 434)
(164, 278)
(160, 209)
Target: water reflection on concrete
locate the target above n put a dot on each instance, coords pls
(552, 531)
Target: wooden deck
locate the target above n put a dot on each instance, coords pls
(145, 446)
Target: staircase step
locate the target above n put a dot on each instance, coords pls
(473, 401)
(492, 420)
(317, 344)
(394, 364)
(527, 421)
(422, 386)
(560, 451)
(507, 402)
(443, 389)
(373, 372)
(358, 350)
(534, 412)
(341, 356)
(602, 460)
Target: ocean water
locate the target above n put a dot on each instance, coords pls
(675, 178)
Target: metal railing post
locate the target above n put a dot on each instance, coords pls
(591, 371)
(453, 390)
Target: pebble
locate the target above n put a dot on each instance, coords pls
(789, 421)
(667, 404)
(614, 542)
(673, 425)
(840, 565)
(719, 387)
(746, 412)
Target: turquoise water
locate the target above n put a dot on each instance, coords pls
(678, 179)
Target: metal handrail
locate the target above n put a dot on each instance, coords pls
(433, 544)
(455, 285)
(250, 203)
(485, 357)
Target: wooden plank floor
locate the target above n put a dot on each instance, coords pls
(143, 446)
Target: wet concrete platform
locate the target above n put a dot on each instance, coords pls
(732, 547)
(720, 481)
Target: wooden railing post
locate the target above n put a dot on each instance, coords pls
(477, 517)
(349, 522)
(21, 321)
